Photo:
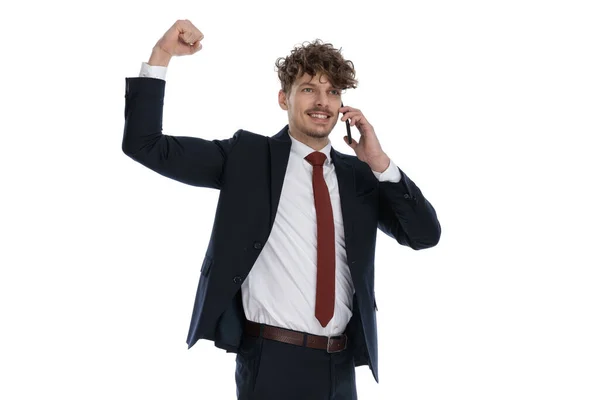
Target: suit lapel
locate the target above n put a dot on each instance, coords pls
(345, 174)
(279, 148)
(347, 187)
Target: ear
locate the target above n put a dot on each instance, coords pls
(282, 100)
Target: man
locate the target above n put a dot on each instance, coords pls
(287, 279)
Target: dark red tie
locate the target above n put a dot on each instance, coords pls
(325, 241)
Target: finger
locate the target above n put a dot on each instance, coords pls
(189, 37)
(356, 118)
(353, 144)
(185, 31)
(346, 109)
(359, 120)
(190, 34)
(197, 35)
(351, 115)
(189, 27)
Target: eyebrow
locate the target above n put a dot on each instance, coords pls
(314, 85)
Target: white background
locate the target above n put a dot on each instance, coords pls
(490, 107)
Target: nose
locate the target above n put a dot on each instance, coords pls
(322, 100)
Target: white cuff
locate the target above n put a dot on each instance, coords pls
(153, 71)
(391, 174)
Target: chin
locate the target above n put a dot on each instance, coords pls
(318, 134)
(311, 131)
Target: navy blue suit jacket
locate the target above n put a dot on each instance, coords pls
(249, 169)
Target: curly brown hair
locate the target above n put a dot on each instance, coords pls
(313, 58)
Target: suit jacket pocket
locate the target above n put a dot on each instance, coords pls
(206, 264)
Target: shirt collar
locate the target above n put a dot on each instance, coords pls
(302, 150)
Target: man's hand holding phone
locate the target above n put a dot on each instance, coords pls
(368, 149)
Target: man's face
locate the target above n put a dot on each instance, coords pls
(308, 96)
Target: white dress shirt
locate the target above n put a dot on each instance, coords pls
(281, 287)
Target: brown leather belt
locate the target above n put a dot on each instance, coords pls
(333, 344)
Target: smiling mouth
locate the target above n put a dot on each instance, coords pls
(320, 118)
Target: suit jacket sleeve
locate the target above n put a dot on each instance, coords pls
(405, 214)
(190, 160)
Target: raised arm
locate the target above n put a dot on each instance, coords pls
(190, 160)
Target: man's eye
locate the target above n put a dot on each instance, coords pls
(334, 91)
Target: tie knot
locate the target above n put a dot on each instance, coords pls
(316, 158)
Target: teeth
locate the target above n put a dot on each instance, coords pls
(319, 116)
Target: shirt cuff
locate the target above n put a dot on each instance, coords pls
(391, 174)
(153, 71)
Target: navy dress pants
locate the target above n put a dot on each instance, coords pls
(272, 370)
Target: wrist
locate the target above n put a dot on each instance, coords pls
(159, 57)
(379, 163)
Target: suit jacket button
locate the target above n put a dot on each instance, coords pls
(237, 280)
(257, 245)
(407, 196)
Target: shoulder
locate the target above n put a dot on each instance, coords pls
(251, 135)
(248, 136)
(244, 142)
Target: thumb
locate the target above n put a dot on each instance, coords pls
(195, 47)
(353, 144)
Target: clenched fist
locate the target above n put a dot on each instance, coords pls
(182, 39)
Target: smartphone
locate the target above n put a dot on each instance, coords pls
(347, 127)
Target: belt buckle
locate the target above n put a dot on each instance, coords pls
(335, 337)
